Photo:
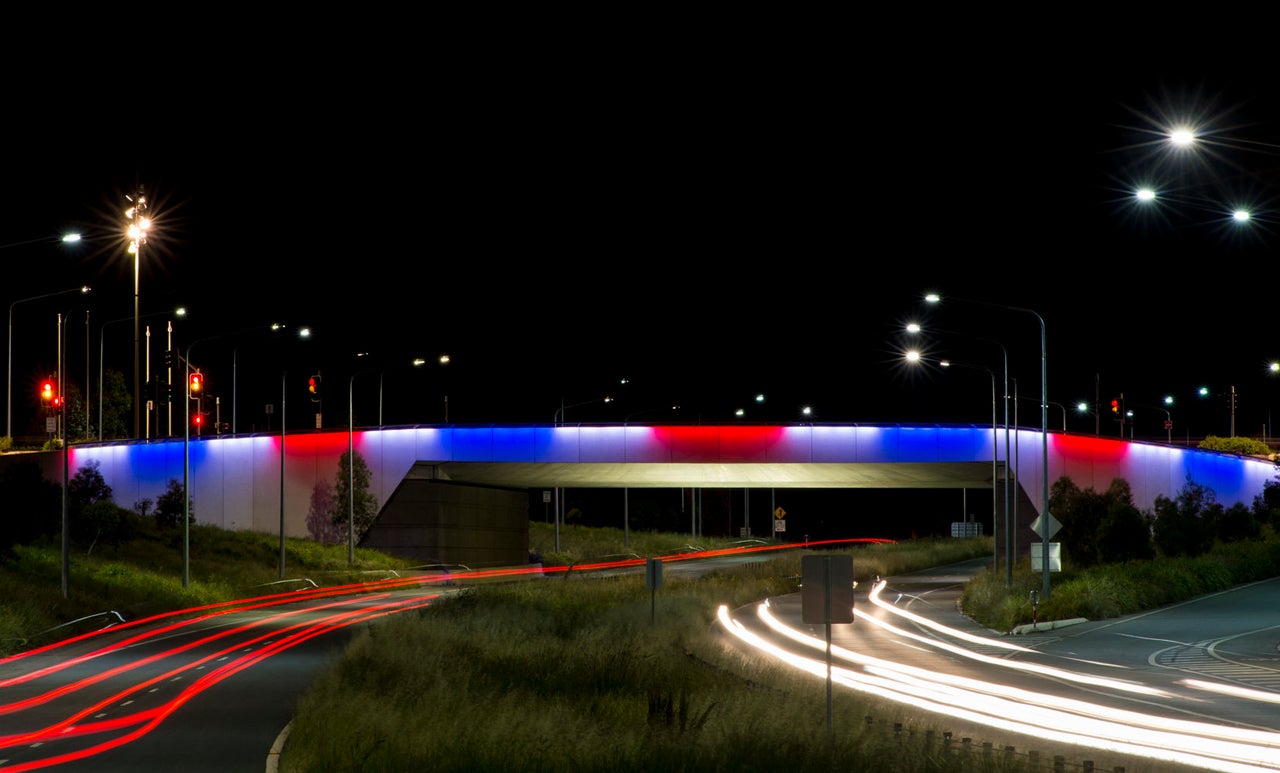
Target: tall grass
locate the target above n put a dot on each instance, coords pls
(143, 576)
(581, 673)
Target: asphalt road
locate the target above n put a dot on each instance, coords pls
(221, 689)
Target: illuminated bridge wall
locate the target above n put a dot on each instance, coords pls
(236, 481)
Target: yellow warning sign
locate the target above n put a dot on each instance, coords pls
(779, 513)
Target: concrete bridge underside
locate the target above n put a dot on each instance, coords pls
(902, 475)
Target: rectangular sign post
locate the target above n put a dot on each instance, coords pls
(826, 596)
(652, 581)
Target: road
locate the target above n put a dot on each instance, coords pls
(1196, 685)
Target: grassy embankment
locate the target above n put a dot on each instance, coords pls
(555, 675)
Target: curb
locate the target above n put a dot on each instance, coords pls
(1046, 626)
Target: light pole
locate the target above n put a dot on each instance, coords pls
(442, 360)
(139, 225)
(351, 447)
(556, 420)
(1061, 407)
(186, 451)
(913, 357)
(626, 491)
(179, 312)
(1044, 428)
(914, 329)
(83, 290)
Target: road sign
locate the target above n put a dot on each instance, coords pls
(779, 513)
(1045, 526)
(826, 589)
(780, 525)
(1168, 424)
(1037, 557)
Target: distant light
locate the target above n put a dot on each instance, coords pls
(1182, 137)
(1274, 367)
(444, 359)
(71, 238)
(1240, 216)
(1145, 194)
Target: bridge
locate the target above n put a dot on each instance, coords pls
(447, 490)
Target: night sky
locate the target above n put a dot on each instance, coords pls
(703, 231)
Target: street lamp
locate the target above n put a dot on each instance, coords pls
(138, 226)
(442, 360)
(914, 329)
(351, 448)
(83, 290)
(913, 357)
(178, 312)
(556, 420)
(186, 450)
(1044, 427)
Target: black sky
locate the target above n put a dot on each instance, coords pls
(706, 229)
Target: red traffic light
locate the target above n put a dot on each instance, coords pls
(197, 420)
(46, 393)
(197, 381)
(1115, 406)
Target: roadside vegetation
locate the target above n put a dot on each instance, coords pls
(581, 672)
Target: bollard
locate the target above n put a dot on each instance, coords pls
(1059, 764)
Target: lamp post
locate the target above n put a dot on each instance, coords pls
(556, 420)
(83, 290)
(626, 491)
(1044, 426)
(915, 328)
(442, 360)
(138, 226)
(914, 356)
(351, 447)
(1061, 407)
(186, 451)
(179, 312)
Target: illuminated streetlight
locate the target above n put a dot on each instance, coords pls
(915, 329)
(186, 448)
(138, 226)
(914, 357)
(1044, 423)
(351, 455)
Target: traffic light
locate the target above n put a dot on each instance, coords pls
(313, 386)
(46, 394)
(197, 421)
(197, 383)
(1115, 406)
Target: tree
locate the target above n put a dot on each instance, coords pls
(1083, 513)
(1124, 535)
(320, 523)
(353, 479)
(116, 407)
(86, 490)
(171, 504)
(1184, 525)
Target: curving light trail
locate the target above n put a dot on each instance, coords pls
(1081, 723)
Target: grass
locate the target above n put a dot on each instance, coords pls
(570, 673)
